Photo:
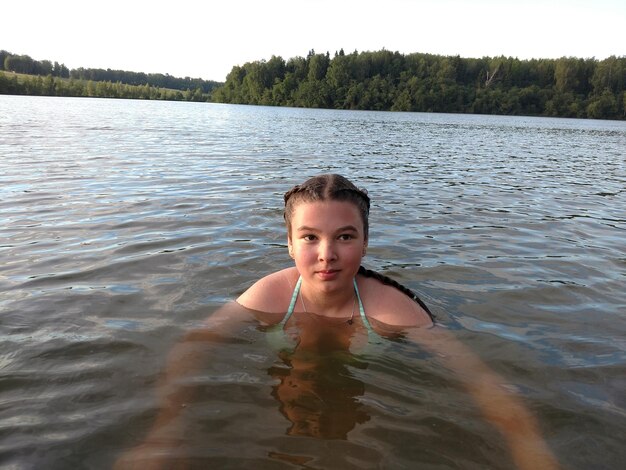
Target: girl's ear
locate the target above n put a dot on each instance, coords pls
(290, 245)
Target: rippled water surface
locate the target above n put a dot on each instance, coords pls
(127, 223)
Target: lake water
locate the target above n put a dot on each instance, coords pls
(126, 223)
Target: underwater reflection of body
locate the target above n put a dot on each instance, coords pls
(316, 389)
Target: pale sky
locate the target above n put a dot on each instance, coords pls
(206, 39)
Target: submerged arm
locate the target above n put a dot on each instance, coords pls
(501, 407)
(174, 391)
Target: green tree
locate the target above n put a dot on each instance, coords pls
(19, 64)
(565, 75)
(339, 80)
(49, 86)
(318, 65)
(3, 55)
(603, 106)
(609, 74)
(275, 70)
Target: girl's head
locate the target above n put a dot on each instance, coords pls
(329, 187)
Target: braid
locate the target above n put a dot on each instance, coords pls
(359, 193)
(390, 282)
(291, 192)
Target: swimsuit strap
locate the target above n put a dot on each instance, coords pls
(361, 309)
(294, 298)
(292, 304)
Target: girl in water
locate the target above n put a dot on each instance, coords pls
(327, 235)
(328, 302)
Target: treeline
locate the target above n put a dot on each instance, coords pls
(26, 65)
(14, 84)
(140, 78)
(384, 80)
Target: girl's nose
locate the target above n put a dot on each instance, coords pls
(327, 251)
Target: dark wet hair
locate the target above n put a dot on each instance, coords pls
(330, 187)
(390, 282)
(333, 187)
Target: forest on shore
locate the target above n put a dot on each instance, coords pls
(380, 80)
(390, 81)
(27, 76)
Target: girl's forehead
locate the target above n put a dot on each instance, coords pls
(326, 215)
(325, 209)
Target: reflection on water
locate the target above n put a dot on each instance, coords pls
(319, 396)
(125, 224)
(315, 388)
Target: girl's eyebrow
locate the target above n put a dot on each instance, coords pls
(346, 228)
(305, 228)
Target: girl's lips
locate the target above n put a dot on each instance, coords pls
(327, 274)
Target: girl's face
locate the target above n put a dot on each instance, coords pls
(327, 243)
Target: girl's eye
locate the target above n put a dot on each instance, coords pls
(309, 238)
(345, 237)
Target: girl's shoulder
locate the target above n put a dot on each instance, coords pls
(390, 306)
(271, 293)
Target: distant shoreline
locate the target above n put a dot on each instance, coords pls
(390, 81)
(378, 81)
(12, 83)
(26, 76)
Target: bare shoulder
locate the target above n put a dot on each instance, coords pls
(271, 293)
(389, 306)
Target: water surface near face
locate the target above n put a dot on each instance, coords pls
(127, 223)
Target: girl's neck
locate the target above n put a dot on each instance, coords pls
(336, 304)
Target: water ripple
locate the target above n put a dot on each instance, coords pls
(123, 223)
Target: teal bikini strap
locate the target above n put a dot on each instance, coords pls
(294, 298)
(292, 304)
(361, 309)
